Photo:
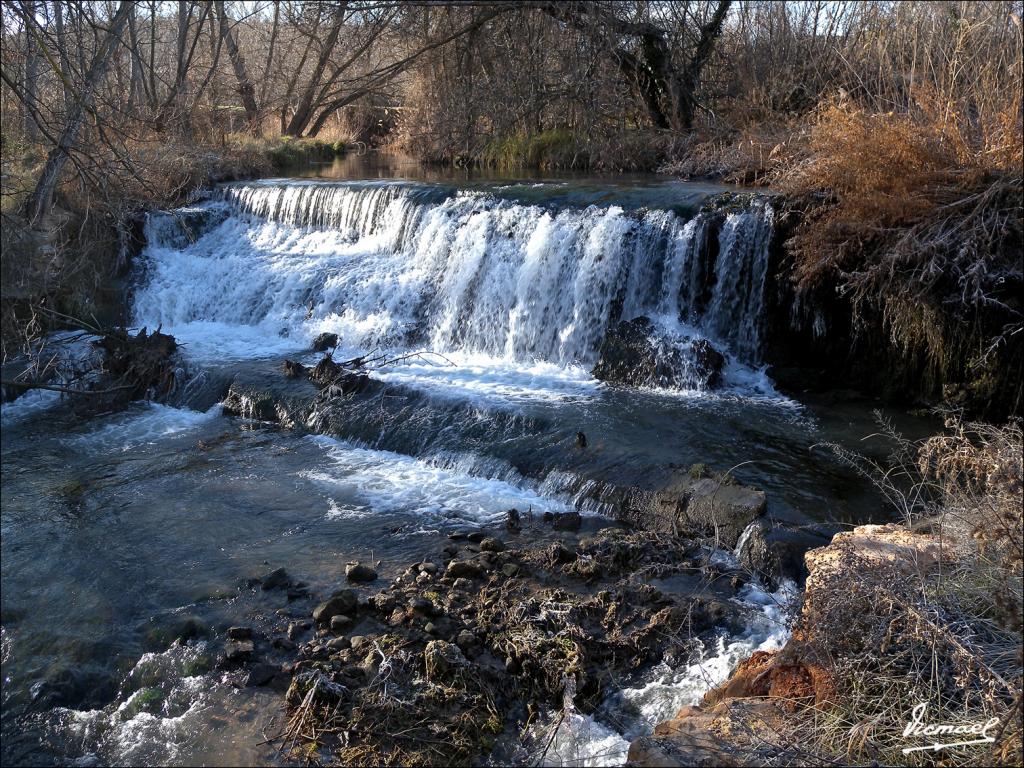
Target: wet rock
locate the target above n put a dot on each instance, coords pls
(340, 623)
(442, 659)
(475, 536)
(339, 643)
(260, 674)
(296, 628)
(359, 573)
(87, 761)
(343, 602)
(567, 521)
(283, 644)
(430, 568)
(325, 341)
(464, 569)
(491, 544)
(276, 579)
(238, 650)
(294, 370)
(513, 521)
(581, 440)
(777, 552)
(466, 640)
(240, 633)
(511, 570)
(636, 353)
(297, 592)
(712, 508)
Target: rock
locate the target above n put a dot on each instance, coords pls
(492, 545)
(343, 602)
(296, 628)
(359, 573)
(475, 536)
(567, 521)
(325, 341)
(461, 583)
(777, 552)
(260, 674)
(681, 504)
(442, 659)
(466, 640)
(339, 643)
(423, 605)
(283, 644)
(238, 650)
(513, 521)
(510, 570)
(358, 641)
(559, 554)
(423, 578)
(297, 592)
(294, 370)
(430, 568)
(736, 733)
(581, 440)
(430, 629)
(464, 569)
(240, 633)
(340, 623)
(276, 579)
(636, 353)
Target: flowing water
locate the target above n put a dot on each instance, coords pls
(127, 531)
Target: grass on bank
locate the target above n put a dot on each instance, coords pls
(949, 638)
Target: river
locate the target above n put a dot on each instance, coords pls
(132, 541)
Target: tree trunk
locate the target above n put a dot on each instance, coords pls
(41, 200)
(304, 111)
(62, 52)
(245, 87)
(685, 91)
(31, 70)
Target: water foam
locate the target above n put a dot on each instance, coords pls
(404, 266)
(364, 480)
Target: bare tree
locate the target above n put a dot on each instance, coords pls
(41, 199)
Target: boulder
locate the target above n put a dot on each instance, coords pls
(776, 552)
(341, 603)
(261, 674)
(276, 579)
(240, 633)
(706, 507)
(464, 569)
(340, 623)
(359, 573)
(734, 733)
(442, 659)
(492, 545)
(636, 353)
(325, 341)
(238, 650)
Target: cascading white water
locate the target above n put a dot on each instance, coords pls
(407, 265)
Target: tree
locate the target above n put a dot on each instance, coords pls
(41, 199)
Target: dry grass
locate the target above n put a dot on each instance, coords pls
(949, 637)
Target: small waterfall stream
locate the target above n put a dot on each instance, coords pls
(415, 265)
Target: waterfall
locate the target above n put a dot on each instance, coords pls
(405, 265)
